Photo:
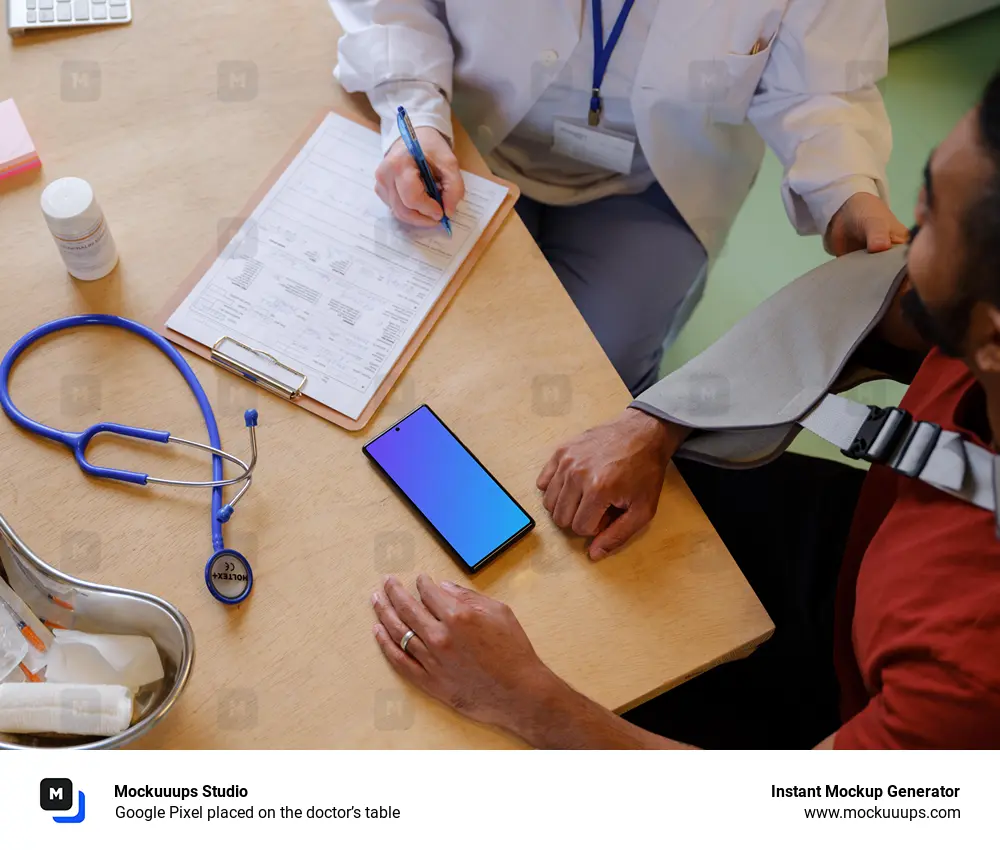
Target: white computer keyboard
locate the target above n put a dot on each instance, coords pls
(47, 14)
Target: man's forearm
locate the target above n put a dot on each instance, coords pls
(676, 434)
(561, 718)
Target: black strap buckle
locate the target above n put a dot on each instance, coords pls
(886, 437)
(880, 434)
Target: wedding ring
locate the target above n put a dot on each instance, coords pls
(405, 642)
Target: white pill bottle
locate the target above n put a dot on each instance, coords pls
(79, 229)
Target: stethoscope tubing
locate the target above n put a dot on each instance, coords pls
(78, 441)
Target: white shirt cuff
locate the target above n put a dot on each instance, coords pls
(814, 212)
(425, 105)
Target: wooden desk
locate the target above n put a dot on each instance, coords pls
(511, 367)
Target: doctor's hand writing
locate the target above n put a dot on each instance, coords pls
(606, 483)
(398, 183)
(864, 222)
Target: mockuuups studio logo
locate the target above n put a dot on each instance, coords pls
(56, 795)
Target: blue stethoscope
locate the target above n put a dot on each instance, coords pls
(227, 573)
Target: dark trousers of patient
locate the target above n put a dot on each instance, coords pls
(786, 525)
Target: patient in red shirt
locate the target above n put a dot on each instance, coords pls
(884, 591)
(919, 660)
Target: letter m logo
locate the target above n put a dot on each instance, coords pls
(56, 795)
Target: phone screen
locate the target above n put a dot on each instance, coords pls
(453, 491)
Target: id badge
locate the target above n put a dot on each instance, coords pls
(594, 145)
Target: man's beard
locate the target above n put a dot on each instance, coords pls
(946, 327)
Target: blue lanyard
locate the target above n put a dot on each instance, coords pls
(602, 53)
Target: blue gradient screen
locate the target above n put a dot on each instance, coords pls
(448, 486)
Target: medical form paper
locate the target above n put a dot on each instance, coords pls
(324, 279)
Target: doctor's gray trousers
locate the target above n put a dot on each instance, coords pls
(633, 268)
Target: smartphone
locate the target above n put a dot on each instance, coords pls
(466, 507)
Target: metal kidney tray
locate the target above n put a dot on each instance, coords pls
(101, 610)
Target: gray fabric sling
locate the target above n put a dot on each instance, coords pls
(775, 372)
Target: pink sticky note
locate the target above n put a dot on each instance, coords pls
(17, 151)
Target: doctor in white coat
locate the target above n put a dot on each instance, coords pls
(635, 129)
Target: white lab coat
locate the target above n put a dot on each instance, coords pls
(703, 106)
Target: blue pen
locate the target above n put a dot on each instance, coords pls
(413, 146)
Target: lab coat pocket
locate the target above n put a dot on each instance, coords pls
(727, 85)
(721, 87)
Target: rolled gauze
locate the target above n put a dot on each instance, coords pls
(40, 707)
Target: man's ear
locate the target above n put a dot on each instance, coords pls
(988, 354)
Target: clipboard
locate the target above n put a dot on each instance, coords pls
(267, 372)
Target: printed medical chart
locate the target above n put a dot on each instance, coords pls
(324, 279)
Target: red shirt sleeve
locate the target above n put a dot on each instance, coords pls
(925, 704)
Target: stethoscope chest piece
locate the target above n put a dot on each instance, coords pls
(229, 577)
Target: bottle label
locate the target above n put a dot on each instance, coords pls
(90, 256)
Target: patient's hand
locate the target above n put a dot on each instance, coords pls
(606, 483)
(469, 651)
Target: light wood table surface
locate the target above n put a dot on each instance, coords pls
(511, 367)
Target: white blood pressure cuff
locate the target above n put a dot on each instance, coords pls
(744, 396)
